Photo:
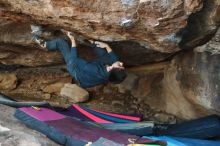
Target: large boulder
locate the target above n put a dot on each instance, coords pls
(17, 47)
(190, 86)
(192, 82)
(74, 93)
(148, 29)
(153, 23)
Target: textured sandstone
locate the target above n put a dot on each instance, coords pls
(190, 87)
(53, 88)
(34, 84)
(153, 23)
(18, 48)
(156, 26)
(27, 56)
(202, 25)
(8, 81)
(213, 46)
(128, 84)
(144, 85)
(74, 93)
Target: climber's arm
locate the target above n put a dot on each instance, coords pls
(108, 51)
(73, 51)
(103, 45)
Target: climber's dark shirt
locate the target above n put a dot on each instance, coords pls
(92, 73)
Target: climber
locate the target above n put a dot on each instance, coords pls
(105, 69)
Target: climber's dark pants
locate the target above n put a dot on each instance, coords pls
(69, 54)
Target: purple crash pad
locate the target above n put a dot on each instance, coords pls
(43, 114)
(76, 133)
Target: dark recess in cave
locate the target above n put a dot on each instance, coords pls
(199, 30)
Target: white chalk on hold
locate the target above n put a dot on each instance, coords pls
(143, 1)
(3, 129)
(127, 2)
(36, 29)
(126, 22)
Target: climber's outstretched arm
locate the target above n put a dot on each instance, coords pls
(105, 52)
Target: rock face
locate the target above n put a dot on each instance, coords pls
(17, 47)
(198, 76)
(128, 84)
(191, 85)
(152, 23)
(42, 83)
(8, 81)
(150, 29)
(139, 31)
(188, 87)
(202, 25)
(28, 56)
(74, 93)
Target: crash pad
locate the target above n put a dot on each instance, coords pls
(70, 132)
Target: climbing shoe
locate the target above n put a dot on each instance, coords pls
(39, 41)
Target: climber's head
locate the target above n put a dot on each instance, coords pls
(117, 72)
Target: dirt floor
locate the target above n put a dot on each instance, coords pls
(31, 86)
(109, 99)
(33, 82)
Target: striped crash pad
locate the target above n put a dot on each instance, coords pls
(93, 115)
(118, 122)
